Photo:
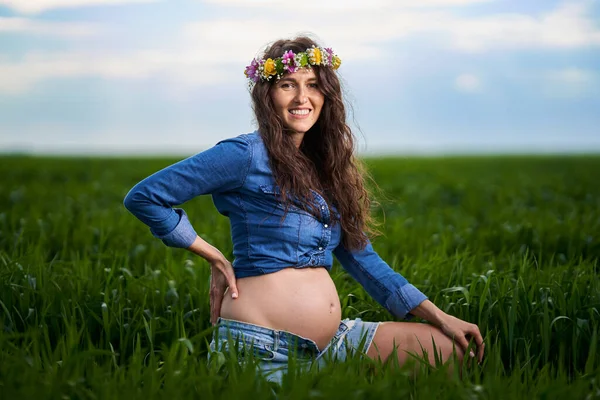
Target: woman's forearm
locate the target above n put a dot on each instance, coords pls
(205, 250)
(429, 312)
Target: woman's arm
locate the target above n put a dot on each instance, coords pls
(221, 168)
(386, 286)
(400, 298)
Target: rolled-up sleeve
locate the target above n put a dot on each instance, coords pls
(221, 168)
(386, 286)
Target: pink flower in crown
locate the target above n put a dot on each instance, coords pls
(252, 71)
(289, 61)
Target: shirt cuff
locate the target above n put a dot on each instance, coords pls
(402, 301)
(183, 235)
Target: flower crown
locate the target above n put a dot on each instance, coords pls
(291, 62)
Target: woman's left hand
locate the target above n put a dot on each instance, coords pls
(458, 330)
(461, 331)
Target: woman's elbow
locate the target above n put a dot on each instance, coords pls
(132, 200)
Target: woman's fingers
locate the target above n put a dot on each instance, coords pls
(462, 342)
(214, 308)
(474, 333)
(232, 285)
(481, 349)
(216, 298)
(479, 342)
(218, 284)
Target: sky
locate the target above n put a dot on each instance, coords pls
(420, 77)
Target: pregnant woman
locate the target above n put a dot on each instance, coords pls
(295, 196)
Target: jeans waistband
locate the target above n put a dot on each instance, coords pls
(262, 334)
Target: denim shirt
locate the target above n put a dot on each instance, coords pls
(237, 174)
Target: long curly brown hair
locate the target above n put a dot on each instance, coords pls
(325, 160)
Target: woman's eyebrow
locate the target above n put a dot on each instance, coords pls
(289, 79)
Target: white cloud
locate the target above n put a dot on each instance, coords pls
(207, 53)
(363, 30)
(216, 50)
(570, 83)
(256, 33)
(38, 6)
(571, 75)
(468, 83)
(568, 26)
(64, 29)
(179, 67)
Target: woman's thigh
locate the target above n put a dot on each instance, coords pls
(411, 337)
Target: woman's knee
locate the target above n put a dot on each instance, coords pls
(414, 338)
(434, 343)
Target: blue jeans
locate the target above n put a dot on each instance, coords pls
(272, 348)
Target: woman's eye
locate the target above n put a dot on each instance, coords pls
(314, 85)
(286, 85)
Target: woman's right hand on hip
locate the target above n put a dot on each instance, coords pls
(221, 278)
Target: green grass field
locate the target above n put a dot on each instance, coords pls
(92, 306)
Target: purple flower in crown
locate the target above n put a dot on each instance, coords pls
(252, 71)
(328, 56)
(289, 61)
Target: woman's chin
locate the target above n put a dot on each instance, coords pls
(299, 128)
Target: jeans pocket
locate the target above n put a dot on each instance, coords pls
(257, 351)
(263, 352)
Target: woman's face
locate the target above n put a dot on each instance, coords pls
(298, 100)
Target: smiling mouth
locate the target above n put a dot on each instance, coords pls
(300, 112)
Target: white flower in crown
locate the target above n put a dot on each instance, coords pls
(326, 57)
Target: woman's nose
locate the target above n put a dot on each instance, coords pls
(301, 96)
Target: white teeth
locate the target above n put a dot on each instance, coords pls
(299, 112)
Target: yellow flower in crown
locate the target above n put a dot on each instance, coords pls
(269, 68)
(315, 56)
(335, 62)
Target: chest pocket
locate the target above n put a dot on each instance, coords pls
(273, 193)
(328, 211)
(269, 233)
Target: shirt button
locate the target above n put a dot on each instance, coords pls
(322, 207)
(320, 248)
(325, 225)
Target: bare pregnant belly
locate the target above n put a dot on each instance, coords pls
(302, 301)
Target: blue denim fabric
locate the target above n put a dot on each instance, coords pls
(273, 348)
(237, 174)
